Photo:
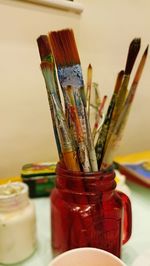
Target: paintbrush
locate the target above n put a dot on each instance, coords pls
(122, 120)
(70, 74)
(65, 140)
(89, 86)
(44, 48)
(97, 94)
(131, 57)
(63, 52)
(98, 117)
(101, 141)
(69, 154)
(114, 117)
(97, 98)
(77, 132)
(46, 55)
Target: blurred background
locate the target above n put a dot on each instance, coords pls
(103, 33)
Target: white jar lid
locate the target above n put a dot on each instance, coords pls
(13, 196)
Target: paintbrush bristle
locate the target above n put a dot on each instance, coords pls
(44, 47)
(89, 74)
(141, 66)
(119, 81)
(64, 47)
(132, 55)
(146, 50)
(56, 47)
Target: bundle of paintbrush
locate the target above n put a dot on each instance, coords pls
(119, 107)
(63, 138)
(72, 129)
(119, 123)
(61, 68)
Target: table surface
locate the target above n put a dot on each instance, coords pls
(137, 245)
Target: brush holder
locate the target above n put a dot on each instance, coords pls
(87, 211)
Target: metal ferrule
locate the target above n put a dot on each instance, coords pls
(70, 75)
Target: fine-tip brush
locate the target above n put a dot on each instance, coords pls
(70, 74)
(133, 51)
(68, 152)
(89, 87)
(46, 56)
(102, 138)
(99, 117)
(77, 132)
(117, 133)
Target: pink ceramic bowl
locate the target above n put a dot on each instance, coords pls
(86, 257)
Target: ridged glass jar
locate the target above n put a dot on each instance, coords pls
(87, 211)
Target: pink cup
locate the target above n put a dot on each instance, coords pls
(86, 257)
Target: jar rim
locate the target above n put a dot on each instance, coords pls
(95, 174)
(23, 186)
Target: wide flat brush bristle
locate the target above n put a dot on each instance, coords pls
(64, 47)
(74, 47)
(67, 39)
(56, 47)
(132, 54)
(44, 47)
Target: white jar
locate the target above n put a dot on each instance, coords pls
(17, 223)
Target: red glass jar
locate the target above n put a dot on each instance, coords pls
(87, 211)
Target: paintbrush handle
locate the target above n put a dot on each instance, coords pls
(101, 141)
(70, 160)
(77, 133)
(65, 139)
(54, 124)
(118, 101)
(115, 139)
(87, 131)
(83, 157)
(89, 86)
(99, 117)
(90, 146)
(48, 89)
(121, 97)
(118, 129)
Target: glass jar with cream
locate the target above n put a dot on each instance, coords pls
(17, 223)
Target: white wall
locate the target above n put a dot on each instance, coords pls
(103, 33)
